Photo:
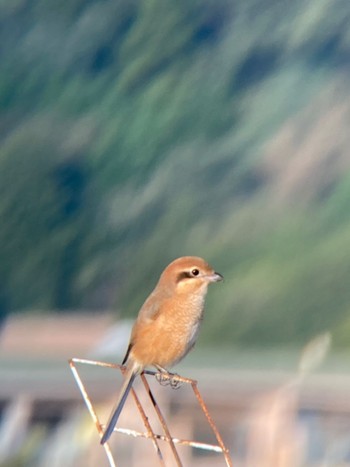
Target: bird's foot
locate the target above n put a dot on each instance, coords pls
(165, 378)
(175, 383)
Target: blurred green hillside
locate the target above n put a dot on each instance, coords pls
(133, 132)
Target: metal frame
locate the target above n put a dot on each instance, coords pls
(149, 434)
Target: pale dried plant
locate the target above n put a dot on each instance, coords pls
(275, 437)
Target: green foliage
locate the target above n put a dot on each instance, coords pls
(133, 132)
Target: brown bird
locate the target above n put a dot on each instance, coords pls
(167, 325)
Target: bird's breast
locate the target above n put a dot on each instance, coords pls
(168, 338)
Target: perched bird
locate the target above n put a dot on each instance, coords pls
(167, 326)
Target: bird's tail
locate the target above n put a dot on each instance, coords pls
(129, 377)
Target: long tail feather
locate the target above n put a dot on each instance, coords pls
(128, 381)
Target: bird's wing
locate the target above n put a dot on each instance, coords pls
(150, 309)
(149, 312)
(127, 353)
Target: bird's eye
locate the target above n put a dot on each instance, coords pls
(195, 272)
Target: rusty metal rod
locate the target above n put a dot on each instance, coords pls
(94, 416)
(150, 433)
(170, 376)
(94, 362)
(212, 424)
(91, 410)
(162, 421)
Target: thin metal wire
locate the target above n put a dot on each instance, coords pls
(183, 442)
(220, 448)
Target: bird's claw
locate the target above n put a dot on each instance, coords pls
(175, 383)
(168, 379)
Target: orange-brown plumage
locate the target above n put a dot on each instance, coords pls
(168, 322)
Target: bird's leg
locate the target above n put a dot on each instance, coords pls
(164, 377)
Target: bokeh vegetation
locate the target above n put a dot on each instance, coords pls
(133, 132)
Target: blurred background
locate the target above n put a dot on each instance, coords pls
(136, 131)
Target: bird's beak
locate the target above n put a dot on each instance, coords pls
(215, 277)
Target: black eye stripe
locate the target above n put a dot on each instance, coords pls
(188, 274)
(184, 275)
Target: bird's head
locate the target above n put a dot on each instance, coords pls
(189, 274)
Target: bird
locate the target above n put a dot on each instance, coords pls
(167, 325)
